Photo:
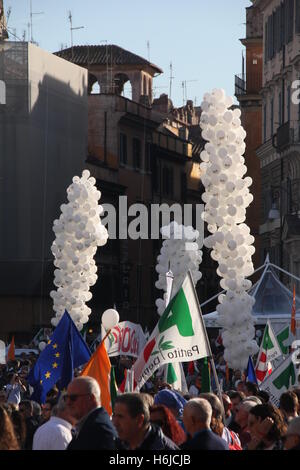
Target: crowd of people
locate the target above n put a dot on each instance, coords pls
(157, 418)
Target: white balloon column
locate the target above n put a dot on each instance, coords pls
(226, 198)
(78, 233)
(179, 253)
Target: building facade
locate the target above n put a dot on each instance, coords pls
(279, 153)
(147, 151)
(248, 86)
(43, 144)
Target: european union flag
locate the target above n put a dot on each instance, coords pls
(65, 351)
(250, 372)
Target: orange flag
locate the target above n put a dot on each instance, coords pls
(11, 350)
(293, 316)
(99, 367)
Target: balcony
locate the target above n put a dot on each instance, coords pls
(248, 84)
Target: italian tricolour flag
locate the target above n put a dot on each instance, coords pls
(179, 336)
(269, 350)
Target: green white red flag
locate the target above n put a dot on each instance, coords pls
(269, 350)
(179, 335)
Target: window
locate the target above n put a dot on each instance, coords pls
(136, 153)
(266, 42)
(183, 187)
(279, 109)
(265, 123)
(148, 156)
(290, 23)
(123, 149)
(272, 117)
(297, 17)
(289, 103)
(168, 181)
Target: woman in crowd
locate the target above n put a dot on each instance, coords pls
(8, 440)
(266, 427)
(163, 417)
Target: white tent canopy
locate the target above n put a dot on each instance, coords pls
(273, 300)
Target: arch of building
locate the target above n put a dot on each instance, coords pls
(140, 80)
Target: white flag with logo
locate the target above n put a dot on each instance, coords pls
(179, 335)
(281, 380)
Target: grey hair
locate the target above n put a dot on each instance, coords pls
(91, 386)
(201, 409)
(254, 398)
(247, 405)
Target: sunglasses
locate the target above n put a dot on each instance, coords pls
(74, 396)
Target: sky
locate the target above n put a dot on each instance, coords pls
(199, 37)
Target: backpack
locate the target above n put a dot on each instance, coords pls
(234, 445)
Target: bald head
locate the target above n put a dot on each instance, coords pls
(197, 415)
(83, 396)
(89, 386)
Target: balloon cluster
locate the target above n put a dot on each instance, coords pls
(179, 253)
(78, 233)
(226, 198)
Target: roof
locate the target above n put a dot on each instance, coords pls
(101, 55)
(273, 300)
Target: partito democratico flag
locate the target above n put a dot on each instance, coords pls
(179, 336)
(282, 379)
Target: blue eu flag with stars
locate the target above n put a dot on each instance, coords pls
(65, 351)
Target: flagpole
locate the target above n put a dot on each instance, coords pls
(107, 334)
(212, 362)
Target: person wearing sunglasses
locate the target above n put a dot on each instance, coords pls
(94, 430)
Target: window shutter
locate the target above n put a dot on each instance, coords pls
(266, 42)
(297, 17)
(282, 25)
(290, 20)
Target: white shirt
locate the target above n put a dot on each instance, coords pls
(14, 393)
(55, 434)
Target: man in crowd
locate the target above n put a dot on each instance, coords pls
(236, 398)
(47, 409)
(241, 418)
(197, 416)
(131, 418)
(250, 389)
(227, 408)
(26, 409)
(55, 434)
(94, 430)
(217, 424)
(289, 406)
(292, 437)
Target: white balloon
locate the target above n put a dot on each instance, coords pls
(110, 318)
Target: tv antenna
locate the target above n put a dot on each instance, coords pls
(171, 79)
(8, 13)
(148, 50)
(72, 29)
(31, 20)
(184, 89)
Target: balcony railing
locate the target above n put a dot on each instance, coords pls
(248, 83)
